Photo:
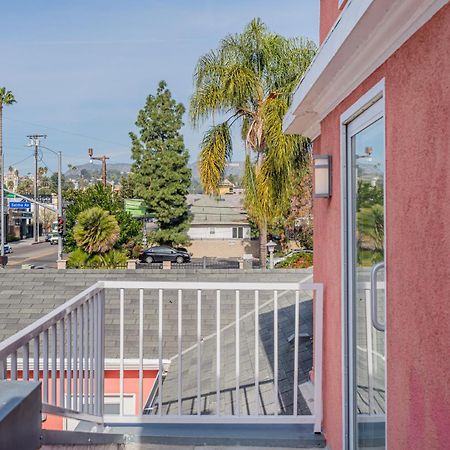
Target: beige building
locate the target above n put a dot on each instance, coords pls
(220, 227)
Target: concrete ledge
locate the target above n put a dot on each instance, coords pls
(166, 272)
(192, 437)
(20, 415)
(223, 435)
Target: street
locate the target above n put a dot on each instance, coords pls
(40, 255)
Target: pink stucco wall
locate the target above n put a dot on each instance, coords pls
(329, 12)
(417, 83)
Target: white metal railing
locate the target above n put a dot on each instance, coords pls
(65, 351)
(182, 303)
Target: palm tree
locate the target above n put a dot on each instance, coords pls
(6, 98)
(96, 230)
(250, 79)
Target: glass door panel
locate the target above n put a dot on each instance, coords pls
(366, 238)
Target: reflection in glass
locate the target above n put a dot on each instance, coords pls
(370, 401)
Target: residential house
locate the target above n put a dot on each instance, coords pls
(219, 227)
(376, 104)
(226, 187)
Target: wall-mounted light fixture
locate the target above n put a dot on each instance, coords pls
(322, 176)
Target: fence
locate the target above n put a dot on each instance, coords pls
(237, 350)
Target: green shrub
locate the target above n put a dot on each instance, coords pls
(79, 259)
(114, 259)
(301, 260)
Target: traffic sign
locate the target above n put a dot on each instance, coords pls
(20, 205)
(27, 215)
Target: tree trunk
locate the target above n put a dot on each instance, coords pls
(263, 245)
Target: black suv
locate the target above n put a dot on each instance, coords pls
(164, 253)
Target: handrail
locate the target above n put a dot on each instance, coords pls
(209, 286)
(25, 335)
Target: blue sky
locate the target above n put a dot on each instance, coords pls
(81, 70)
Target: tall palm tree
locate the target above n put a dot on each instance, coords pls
(6, 98)
(249, 79)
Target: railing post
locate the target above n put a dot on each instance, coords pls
(318, 358)
(102, 350)
(2, 369)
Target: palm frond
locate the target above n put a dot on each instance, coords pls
(6, 97)
(96, 230)
(215, 151)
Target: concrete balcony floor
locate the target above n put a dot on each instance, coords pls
(183, 437)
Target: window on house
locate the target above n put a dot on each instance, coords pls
(238, 232)
(112, 404)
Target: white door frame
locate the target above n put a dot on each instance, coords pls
(374, 95)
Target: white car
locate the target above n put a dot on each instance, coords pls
(8, 249)
(54, 240)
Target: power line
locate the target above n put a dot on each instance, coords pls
(21, 161)
(59, 130)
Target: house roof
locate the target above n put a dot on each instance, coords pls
(224, 210)
(363, 37)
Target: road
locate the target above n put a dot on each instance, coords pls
(25, 252)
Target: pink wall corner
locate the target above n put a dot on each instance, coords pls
(417, 84)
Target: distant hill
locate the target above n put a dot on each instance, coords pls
(235, 168)
(96, 168)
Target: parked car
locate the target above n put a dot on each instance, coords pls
(8, 249)
(165, 253)
(54, 240)
(48, 237)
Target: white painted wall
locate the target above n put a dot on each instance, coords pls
(216, 231)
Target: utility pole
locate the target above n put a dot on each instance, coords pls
(35, 140)
(60, 205)
(60, 202)
(103, 159)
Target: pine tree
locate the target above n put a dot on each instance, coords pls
(160, 167)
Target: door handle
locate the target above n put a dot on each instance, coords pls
(374, 298)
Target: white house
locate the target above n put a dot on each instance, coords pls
(219, 226)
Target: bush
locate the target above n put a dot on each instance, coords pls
(301, 260)
(113, 259)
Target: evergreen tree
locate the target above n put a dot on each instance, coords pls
(161, 173)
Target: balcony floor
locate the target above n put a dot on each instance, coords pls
(182, 436)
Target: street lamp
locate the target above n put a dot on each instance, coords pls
(271, 247)
(60, 205)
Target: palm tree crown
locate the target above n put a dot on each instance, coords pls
(96, 230)
(249, 79)
(6, 97)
